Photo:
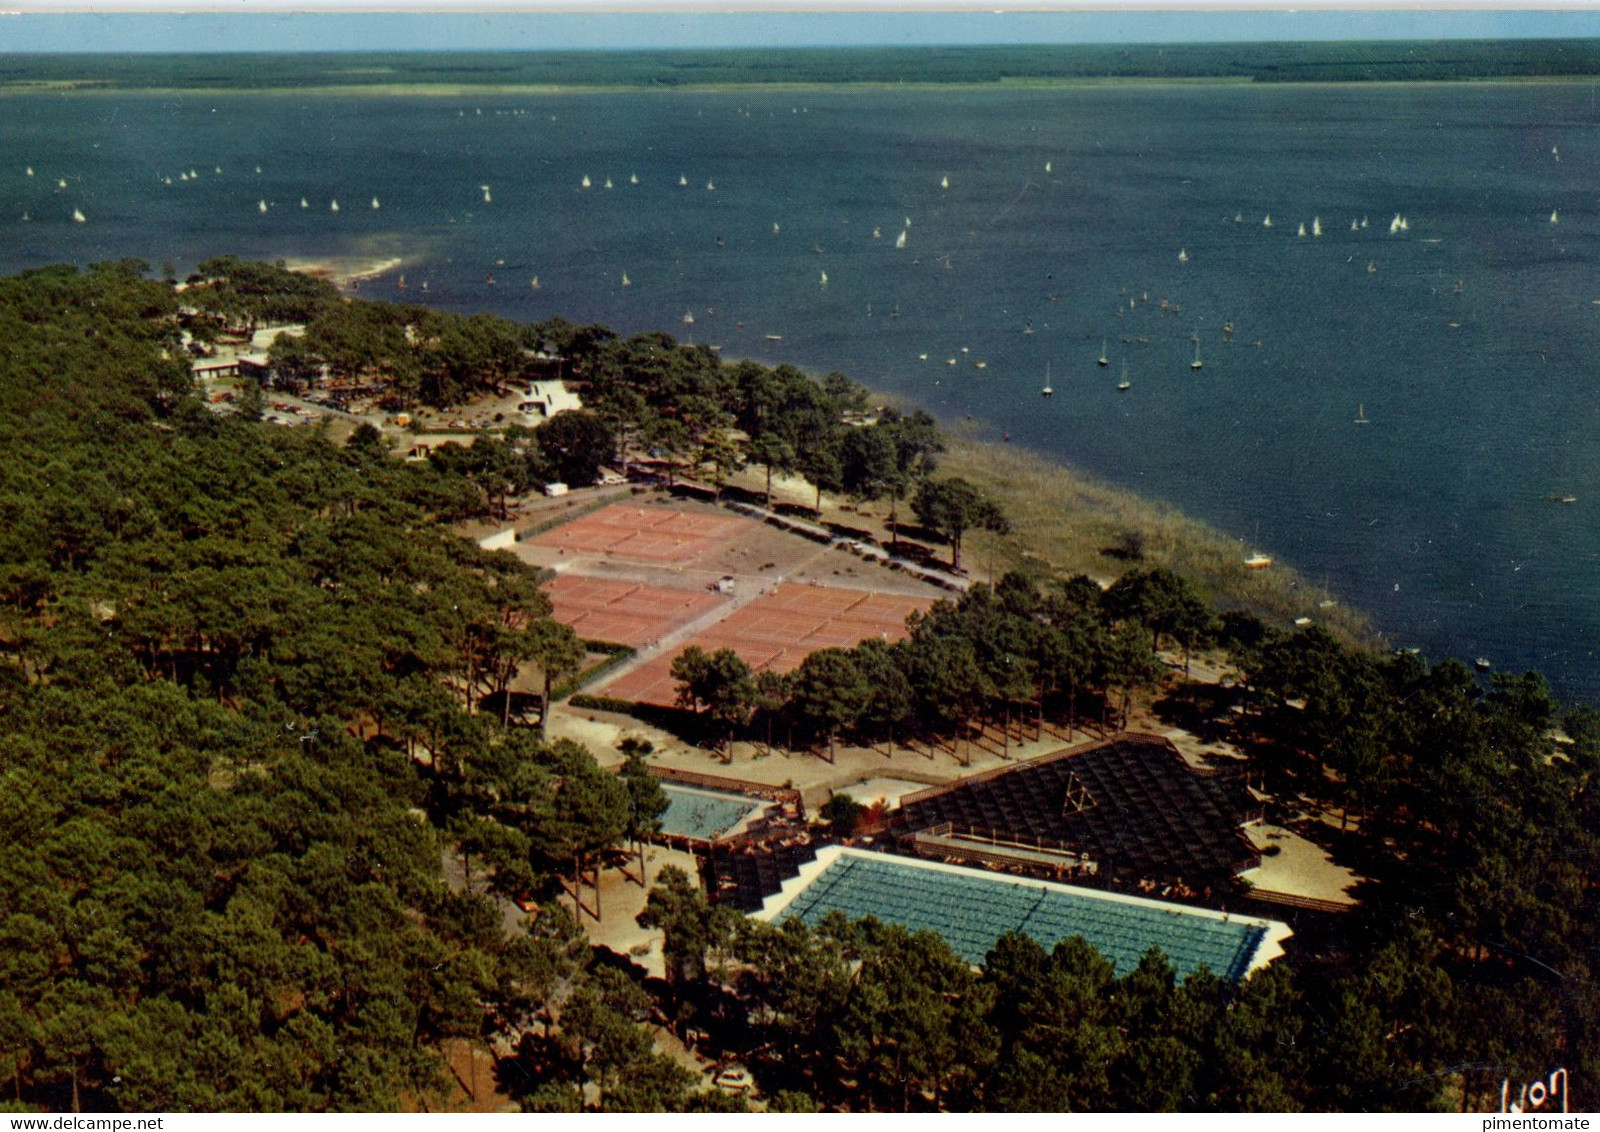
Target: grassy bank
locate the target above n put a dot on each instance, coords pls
(1066, 522)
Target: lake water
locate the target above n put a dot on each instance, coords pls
(1469, 340)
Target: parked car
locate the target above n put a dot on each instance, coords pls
(733, 1078)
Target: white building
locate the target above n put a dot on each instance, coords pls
(547, 398)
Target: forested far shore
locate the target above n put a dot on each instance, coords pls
(832, 67)
(266, 803)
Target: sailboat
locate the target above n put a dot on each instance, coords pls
(1316, 226)
(1238, 218)
(1555, 216)
(944, 182)
(30, 170)
(608, 183)
(77, 214)
(1372, 267)
(262, 206)
(626, 282)
(533, 284)
(633, 178)
(374, 202)
(1196, 363)
(824, 278)
(682, 180)
(1355, 225)
(900, 240)
(908, 222)
(1102, 359)
(1047, 391)
(486, 197)
(304, 203)
(877, 233)
(688, 318)
(1302, 232)
(1361, 415)
(61, 184)
(1394, 225)
(1124, 385)
(333, 206)
(1183, 257)
(585, 183)
(1266, 221)
(711, 186)
(1363, 221)
(776, 229)
(1047, 168)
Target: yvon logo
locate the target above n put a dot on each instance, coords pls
(1536, 1094)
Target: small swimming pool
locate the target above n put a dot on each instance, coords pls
(704, 814)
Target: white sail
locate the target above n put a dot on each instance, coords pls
(1316, 225)
(1266, 221)
(1047, 168)
(626, 282)
(900, 240)
(30, 170)
(485, 190)
(77, 214)
(944, 182)
(304, 203)
(375, 202)
(877, 233)
(776, 229)
(824, 278)
(608, 183)
(1394, 225)
(1555, 216)
(585, 181)
(1183, 257)
(61, 184)
(533, 284)
(633, 179)
(682, 180)
(333, 206)
(263, 206)
(1302, 232)
(711, 186)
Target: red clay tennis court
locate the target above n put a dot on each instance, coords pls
(649, 533)
(625, 612)
(777, 630)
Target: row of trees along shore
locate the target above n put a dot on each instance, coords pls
(643, 394)
(258, 828)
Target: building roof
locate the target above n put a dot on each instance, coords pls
(1131, 805)
(971, 909)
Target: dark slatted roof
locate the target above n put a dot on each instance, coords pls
(1132, 805)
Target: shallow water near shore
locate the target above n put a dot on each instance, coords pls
(1467, 340)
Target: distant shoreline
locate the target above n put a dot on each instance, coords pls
(1001, 86)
